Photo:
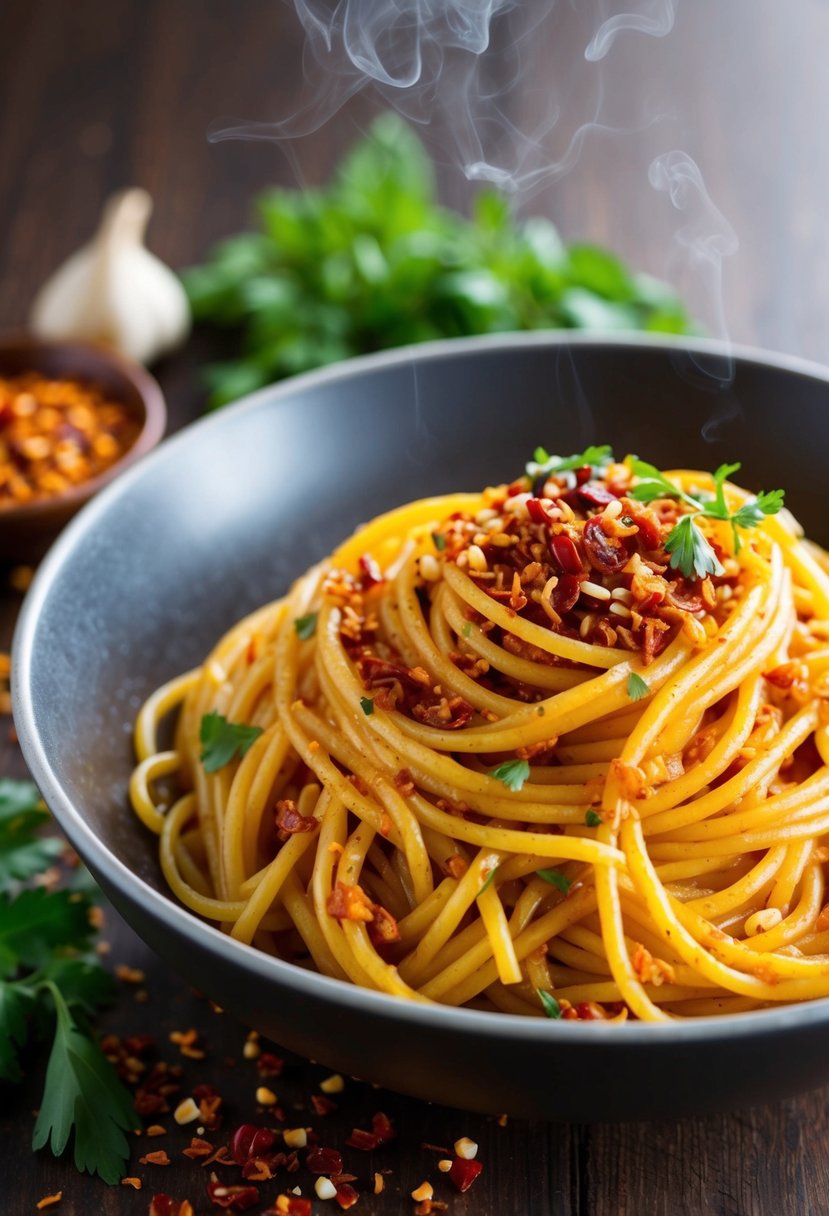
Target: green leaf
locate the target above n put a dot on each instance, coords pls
(555, 878)
(439, 541)
(654, 484)
(637, 688)
(549, 1004)
(15, 1003)
(83, 982)
(83, 1094)
(512, 773)
(22, 853)
(599, 272)
(752, 513)
(367, 706)
(593, 819)
(690, 551)
(598, 458)
(37, 921)
(223, 741)
(719, 509)
(306, 626)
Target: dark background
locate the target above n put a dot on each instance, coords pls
(101, 94)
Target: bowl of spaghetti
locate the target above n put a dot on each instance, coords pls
(488, 774)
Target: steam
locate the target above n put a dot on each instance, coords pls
(463, 69)
(701, 243)
(658, 22)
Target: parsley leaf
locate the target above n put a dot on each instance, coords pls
(598, 458)
(593, 819)
(637, 688)
(36, 922)
(306, 626)
(549, 1004)
(751, 513)
(439, 541)
(22, 852)
(512, 773)
(690, 551)
(653, 484)
(367, 706)
(555, 878)
(223, 741)
(83, 1092)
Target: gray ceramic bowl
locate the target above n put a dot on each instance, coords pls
(222, 517)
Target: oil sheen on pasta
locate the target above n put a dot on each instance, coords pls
(507, 757)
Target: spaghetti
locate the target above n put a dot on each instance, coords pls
(558, 748)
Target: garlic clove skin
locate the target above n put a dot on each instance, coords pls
(114, 290)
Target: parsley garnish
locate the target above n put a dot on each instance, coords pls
(593, 819)
(549, 1004)
(367, 705)
(512, 773)
(690, 552)
(223, 741)
(22, 852)
(555, 878)
(83, 1092)
(49, 986)
(306, 626)
(439, 541)
(490, 878)
(637, 688)
(598, 458)
(467, 629)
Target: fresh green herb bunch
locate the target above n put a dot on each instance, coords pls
(51, 986)
(372, 261)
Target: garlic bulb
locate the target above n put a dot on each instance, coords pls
(114, 290)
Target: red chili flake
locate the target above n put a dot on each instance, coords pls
(564, 551)
(365, 1141)
(289, 1205)
(159, 1157)
(250, 1141)
(346, 1195)
(322, 1105)
(463, 1173)
(349, 903)
(270, 1065)
(198, 1148)
(383, 929)
(594, 494)
(289, 822)
(163, 1205)
(565, 593)
(324, 1160)
(381, 1125)
(583, 474)
(606, 553)
(239, 1198)
(537, 511)
(370, 570)
(650, 529)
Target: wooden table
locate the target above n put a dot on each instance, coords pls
(106, 93)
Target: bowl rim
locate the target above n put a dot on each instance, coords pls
(153, 422)
(187, 925)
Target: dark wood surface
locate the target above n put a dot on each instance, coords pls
(105, 93)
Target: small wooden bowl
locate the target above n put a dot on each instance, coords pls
(27, 530)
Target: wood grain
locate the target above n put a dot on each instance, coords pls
(104, 93)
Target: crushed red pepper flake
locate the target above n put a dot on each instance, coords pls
(234, 1197)
(135, 1183)
(159, 1157)
(163, 1205)
(49, 1201)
